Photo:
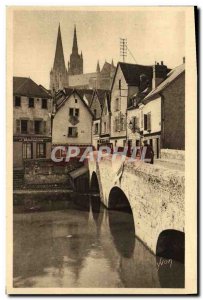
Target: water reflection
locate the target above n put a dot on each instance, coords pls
(83, 245)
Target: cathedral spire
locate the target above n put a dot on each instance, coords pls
(59, 62)
(98, 67)
(75, 43)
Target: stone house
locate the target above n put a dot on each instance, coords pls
(32, 108)
(72, 123)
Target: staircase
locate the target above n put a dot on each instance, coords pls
(18, 179)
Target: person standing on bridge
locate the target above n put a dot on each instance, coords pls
(147, 153)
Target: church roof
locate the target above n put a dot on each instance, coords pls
(107, 68)
(24, 86)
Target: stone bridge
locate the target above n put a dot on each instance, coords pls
(155, 195)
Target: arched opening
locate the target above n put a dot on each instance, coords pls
(94, 184)
(119, 201)
(121, 222)
(170, 258)
(171, 244)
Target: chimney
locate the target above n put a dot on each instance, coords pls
(159, 74)
(183, 59)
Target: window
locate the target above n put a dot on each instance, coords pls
(122, 123)
(71, 111)
(37, 127)
(119, 83)
(77, 112)
(147, 122)
(27, 151)
(31, 102)
(72, 131)
(44, 103)
(24, 126)
(104, 126)
(17, 101)
(76, 100)
(96, 128)
(117, 104)
(41, 150)
(95, 113)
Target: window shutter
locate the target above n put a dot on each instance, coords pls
(114, 125)
(44, 127)
(17, 126)
(31, 126)
(145, 122)
(149, 122)
(142, 119)
(118, 123)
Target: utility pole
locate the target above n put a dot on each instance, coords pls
(123, 48)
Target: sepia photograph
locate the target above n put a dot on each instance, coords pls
(101, 116)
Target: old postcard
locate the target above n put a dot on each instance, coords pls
(102, 150)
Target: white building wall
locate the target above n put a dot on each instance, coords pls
(154, 107)
(61, 123)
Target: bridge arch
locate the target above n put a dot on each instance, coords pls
(118, 200)
(171, 245)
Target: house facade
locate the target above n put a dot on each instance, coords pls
(129, 80)
(32, 108)
(72, 123)
(164, 112)
(96, 107)
(105, 127)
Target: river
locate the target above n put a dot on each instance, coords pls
(74, 241)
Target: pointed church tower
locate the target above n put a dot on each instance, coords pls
(75, 43)
(76, 60)
(58, 74)
(98, 67)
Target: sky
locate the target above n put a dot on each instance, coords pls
(151, 36)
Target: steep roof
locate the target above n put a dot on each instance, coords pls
(132, 72)
(59, 105)
(101, 95)
(24, 86)
(171, 76)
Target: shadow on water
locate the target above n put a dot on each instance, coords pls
(171, 251)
